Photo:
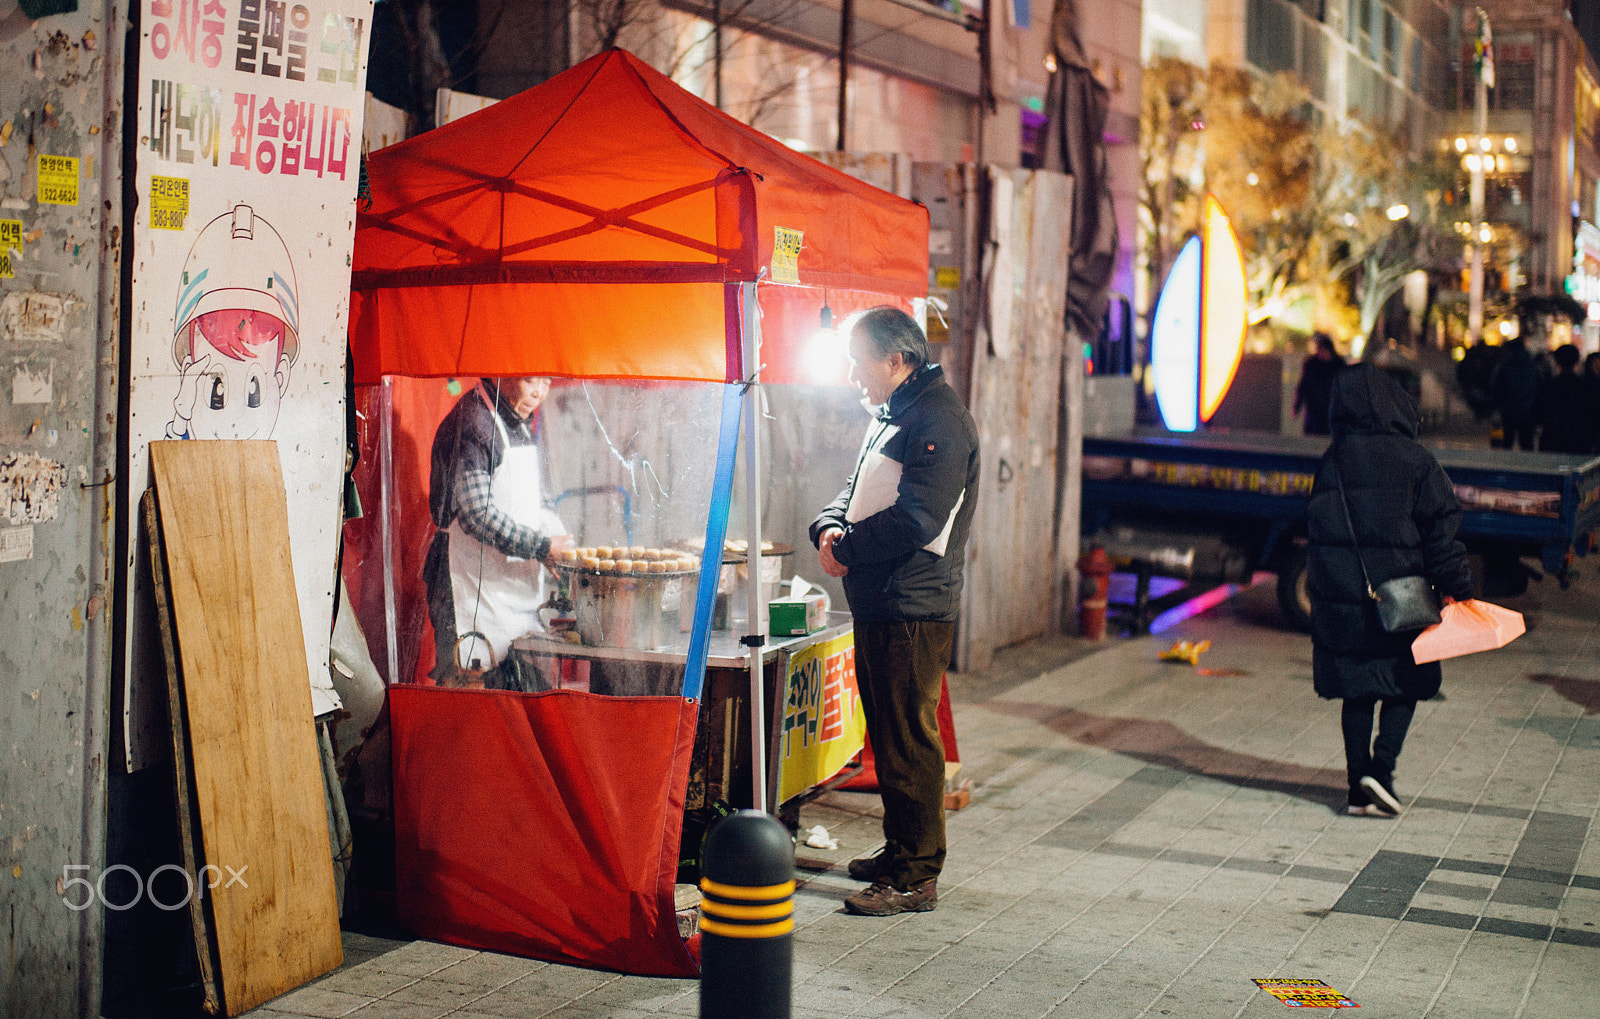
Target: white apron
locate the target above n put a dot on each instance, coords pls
(495, 594)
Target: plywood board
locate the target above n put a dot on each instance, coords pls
(188, 817)
(1015, 400)
(247, 704)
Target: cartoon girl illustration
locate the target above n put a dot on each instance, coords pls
(236, 330)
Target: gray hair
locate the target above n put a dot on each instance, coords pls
(890, 331)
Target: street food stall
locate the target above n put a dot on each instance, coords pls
(660, 262)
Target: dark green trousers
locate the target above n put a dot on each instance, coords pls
(899, 667)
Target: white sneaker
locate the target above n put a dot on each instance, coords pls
(1383, 797)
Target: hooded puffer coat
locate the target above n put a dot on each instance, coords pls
(1405, 514)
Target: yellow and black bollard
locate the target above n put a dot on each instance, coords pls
(747, 919)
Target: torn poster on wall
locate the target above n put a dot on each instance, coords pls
(36, 317)
(16, 543)
(30, 488)
(33, 385)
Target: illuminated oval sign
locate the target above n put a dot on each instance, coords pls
(1197, 333)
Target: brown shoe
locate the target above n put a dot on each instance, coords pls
(866, 868)
(879, 899)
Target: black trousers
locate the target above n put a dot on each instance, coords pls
(899, 669)
(1516, 432)
(1362, 754)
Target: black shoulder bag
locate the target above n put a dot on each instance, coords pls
(1404, 603)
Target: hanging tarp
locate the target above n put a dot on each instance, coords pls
(555, 846)
(498, 244)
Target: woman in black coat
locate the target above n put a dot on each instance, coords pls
(1405, 515)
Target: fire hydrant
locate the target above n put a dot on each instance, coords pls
(1094, 567)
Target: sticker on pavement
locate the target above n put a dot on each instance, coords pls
(1297, 993)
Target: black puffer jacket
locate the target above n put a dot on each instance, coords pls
(1405, 514)
(926, 438)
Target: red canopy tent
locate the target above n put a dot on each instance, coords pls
(610, 174)
(605, 224)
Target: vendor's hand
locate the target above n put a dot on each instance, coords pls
(1447, 600)
(559, 543)
(831, 566)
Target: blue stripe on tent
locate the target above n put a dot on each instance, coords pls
(694, 676)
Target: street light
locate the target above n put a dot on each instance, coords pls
(1485, 234)
(1461, 145)
(1511, 144)
(1398, 212)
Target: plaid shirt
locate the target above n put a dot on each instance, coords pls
(483, 520)
(466, 452)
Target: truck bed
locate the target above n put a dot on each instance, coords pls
(1543, 503)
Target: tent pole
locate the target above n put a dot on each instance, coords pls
(755, 611)
(386, 528)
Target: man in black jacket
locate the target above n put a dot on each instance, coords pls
(896, 536)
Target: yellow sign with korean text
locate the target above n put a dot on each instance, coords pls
(10, 237)
(58, 180)
(169, 202)
(823, 725)
(786, 254)
(1304, 993)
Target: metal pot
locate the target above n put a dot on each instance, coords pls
(631, 610)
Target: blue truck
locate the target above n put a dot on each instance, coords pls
(1218, 507)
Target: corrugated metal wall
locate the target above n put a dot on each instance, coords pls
(60, 218)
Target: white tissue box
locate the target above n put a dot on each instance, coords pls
(795, 617)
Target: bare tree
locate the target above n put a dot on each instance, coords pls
(431, 68)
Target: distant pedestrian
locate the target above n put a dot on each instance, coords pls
(1591, 381)
(1405, 515)
(1316, 383)
(1566, 407)
(1516, 394)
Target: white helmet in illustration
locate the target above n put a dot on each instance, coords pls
(238, 263)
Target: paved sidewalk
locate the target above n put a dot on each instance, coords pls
(1144, 839)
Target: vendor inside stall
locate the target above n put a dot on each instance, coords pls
(483, 571)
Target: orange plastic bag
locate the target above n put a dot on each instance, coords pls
(1467, 627)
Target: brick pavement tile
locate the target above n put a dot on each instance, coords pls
(489, 970)
(1407, 970)
(319, 1001)
(430, 991)
(1565, 980)
(420, 958)
(647, 994)
(388, 1008)
(599, 1012)
(547, 988)
(365, 979)
(1490, 976)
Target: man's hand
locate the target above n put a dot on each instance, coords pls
(831, 566)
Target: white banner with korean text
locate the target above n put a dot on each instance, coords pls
(247, 164)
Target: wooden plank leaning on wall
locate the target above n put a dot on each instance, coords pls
(246, 701)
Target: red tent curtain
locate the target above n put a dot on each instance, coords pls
(519, 827)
